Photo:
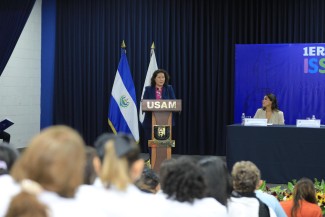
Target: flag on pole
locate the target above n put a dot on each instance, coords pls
(122, 115)
(152, 67)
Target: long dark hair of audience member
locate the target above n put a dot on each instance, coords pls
(182, 180)
(92, 159)
(122, 164)
(304, 190)
(53, 161)
(8, 156)
(217, 178)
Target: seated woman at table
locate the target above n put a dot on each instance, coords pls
(270, 110)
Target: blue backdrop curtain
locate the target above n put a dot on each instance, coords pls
(195, 41)
(13, 17)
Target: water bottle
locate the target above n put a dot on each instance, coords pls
(242, 118)
(313, 117)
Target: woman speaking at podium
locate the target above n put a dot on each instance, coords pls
(159, 89)
(270, 110)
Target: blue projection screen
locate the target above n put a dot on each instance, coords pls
(295, 73)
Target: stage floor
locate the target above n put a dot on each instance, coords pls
(145, 156)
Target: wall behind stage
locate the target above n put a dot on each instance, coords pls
(20, 82)
(195, 41)
(295, 73)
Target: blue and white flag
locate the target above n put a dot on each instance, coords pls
(123, 114)
(151, 69)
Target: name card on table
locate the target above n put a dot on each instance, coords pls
(255, 122)
(308, 123)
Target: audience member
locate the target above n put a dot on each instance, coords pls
(243, 201)
(217, 178)
(5, 136)
(149, 181)
(8, 156)
(270, 201)
(92, 166)
(26, 205)
(184, 187)
(121, 164)
(47, 176)
(304, 201)
(121, 168)
(100, 149)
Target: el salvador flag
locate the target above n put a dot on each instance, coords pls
(122, 115)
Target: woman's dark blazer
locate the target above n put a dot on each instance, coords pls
(150, 93)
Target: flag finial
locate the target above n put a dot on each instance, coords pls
(153, 45)
(123, 45)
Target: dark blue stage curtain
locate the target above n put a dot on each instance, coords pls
(194, 41)
(13, 16)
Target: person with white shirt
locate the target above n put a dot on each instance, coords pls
(217, 178)
(270, 201)
(8, 156)
(243, 201)
(121, 167)
(46, 177)
(183, 186)
(8, 187)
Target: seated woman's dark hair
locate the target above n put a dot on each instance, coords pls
(274, 101)
(217, 178)
(183, 180)
(154, 75)
(90, 172)
(100, 143)
(148, 181)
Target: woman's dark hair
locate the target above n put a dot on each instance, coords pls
(90, 173)
(127, 146)
(100, 144)
(8, 156)
(274, 101)
(154, 75)
(304, 190)
(217, 178)
(183, 180)
(148, 181)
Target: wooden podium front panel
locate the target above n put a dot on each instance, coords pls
(159, 154)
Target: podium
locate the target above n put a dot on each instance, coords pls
(161, 142)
